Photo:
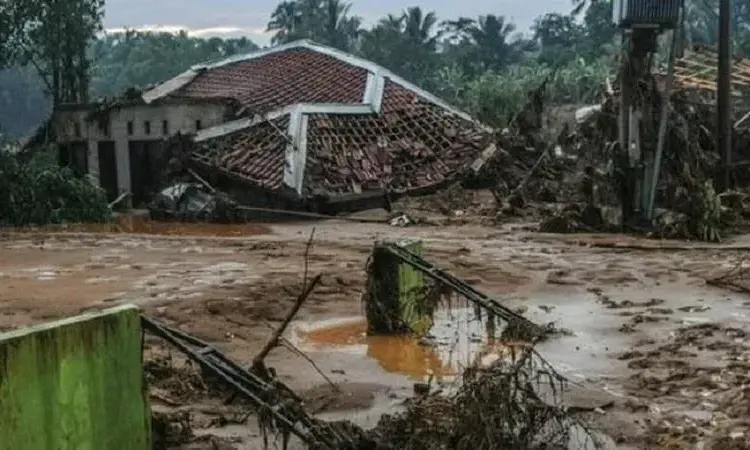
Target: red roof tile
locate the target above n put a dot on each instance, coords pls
(411, 144)
(254, 154)
(297, 75)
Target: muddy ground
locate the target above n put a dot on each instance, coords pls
(644, 327)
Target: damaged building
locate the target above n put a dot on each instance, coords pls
(302, 125)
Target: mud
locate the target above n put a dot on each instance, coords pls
(643, 325)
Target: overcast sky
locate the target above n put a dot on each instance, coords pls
(249, 17)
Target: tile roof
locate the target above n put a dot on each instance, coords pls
(254, 154)
(410, 144)
(298, 75)
(355, 125)
(698, 69)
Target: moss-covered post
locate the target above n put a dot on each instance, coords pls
(395, 292)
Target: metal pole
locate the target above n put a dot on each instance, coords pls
(723, 112)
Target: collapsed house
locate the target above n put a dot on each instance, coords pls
(295, 124)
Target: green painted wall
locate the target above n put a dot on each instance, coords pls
(75, 384)
(411, 292)
(395, 293)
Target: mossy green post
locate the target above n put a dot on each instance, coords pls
(75, 384)
(396, 290)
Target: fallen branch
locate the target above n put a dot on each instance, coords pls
(294, 349)
(306, 291)
(531, 171)
(730, 279)
(274, 341)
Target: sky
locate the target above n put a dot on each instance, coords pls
(226, 18)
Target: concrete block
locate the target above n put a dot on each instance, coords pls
(75, 384)
(396, 292)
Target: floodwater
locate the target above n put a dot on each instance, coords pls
(137, 224)
(457, 340)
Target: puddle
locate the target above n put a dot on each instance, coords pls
(456, 341)
(131, 224)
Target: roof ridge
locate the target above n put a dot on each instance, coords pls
(377, 70)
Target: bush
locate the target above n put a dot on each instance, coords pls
(495, 97)
(36, 191)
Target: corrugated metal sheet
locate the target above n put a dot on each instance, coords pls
(662, 13)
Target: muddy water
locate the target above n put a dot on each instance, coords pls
(456, 341)
(134, 224)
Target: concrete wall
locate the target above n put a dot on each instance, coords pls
(75, 384)
(71, 125)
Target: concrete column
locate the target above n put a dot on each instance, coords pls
(395, 293)
(122, 156)
(93, 162)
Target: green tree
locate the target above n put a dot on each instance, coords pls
(600, 31)
(406, 44)
(53, 36)
(488, 43)
(561, 39)
(324, 21)
(139, 59)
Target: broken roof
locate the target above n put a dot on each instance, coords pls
(698, 69)
(325, 122)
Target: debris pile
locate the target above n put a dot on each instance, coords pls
(513, 402)
(506, 405)
(583, 169)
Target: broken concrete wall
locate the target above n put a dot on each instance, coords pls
(395, 293)
(75, 384)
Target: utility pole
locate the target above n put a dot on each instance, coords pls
(723, 88)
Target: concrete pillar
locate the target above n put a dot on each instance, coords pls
(75, 384)
(93, 161)
(395, 293)
(122, 155)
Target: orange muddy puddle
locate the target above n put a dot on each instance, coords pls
(397, 354)
(404, 354)
(128, 224)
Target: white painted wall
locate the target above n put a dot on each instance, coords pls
(179, 117)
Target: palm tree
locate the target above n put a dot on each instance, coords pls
(339, 29)
(456, 30)
(286, 22)
(382, 43)
(419, 28)
(496, 47)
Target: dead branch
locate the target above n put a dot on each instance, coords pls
(531, 171)
(274, 341)
(306, 291)
(294, 349)
(732, 279)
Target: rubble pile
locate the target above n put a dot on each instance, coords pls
(412, 145)
(582, 169)
(494, 407)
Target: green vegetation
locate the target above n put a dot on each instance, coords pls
(482, 64)
(38, 191)
(52, 52)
